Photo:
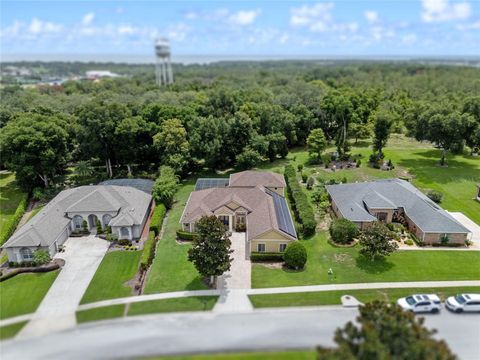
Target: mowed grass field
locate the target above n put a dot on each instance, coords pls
(171, 270)
(10, 196)
(23, 293)
(333, 297)
(116, 268)
(351, 267)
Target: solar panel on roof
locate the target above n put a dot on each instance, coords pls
(207, 183)
(284, 219)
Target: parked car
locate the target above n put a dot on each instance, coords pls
(464, 302)
(421, 303)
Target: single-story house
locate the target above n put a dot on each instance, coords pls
(123, 208)
(395, 200)
(253, 200)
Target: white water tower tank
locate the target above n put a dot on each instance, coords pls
(163, 68)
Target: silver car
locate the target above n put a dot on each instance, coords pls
(464, 302)
(421, 303)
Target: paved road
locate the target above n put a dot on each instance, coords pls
(209, 332)
(57, 310)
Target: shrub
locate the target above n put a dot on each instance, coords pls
(468, 243)
(148, 251)
(41, 257)
(157, 218)
(185, 235)
(295, 255)
(343, 231)
(266, 256)
(344, 180)
(435, 196)
(98, 225)
(409, 242)
(417, 241)
(301, 207)
(124, 242)
(111, 237)
(9, 227)
(85, 227)
(310, 182)
(304, 177)
(300, 167)
(359, 162)
(444, 239)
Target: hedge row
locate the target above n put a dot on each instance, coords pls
(266, 256)
(157, 218)
(8, 229)
(148, 251)
(302, 209)
(185, 235)
(41, 269)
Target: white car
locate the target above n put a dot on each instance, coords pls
(464, 302)
(421, 303)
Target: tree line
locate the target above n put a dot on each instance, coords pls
(230, 114)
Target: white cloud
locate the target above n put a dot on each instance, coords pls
(244, 17)
(38, 26)
(191, 15)
(318, 18)
(88, 18)
(371, 16)
(443, 10)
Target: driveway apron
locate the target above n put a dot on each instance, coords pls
(57, 310)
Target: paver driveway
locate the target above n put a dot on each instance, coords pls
(57, 310)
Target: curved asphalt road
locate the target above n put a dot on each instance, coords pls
(183, 333)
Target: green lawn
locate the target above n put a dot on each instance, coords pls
(23, 293)
(116, 268)
(456, 182)
(350, 267)
(103, 313)
(195, 303)
(10, 196)
(286, 355)
(171, 270)
(333, 297)
(10, 331)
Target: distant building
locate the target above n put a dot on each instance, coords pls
(98, 74)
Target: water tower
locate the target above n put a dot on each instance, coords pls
(163, 67)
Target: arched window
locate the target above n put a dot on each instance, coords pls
(26, 253)
(106, 219)
(77, 221)
(124, 233)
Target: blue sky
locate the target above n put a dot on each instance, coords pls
(243, 28)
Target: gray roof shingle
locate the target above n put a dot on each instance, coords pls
(352, 201)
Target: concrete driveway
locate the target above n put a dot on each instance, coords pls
(57, 310)
(470, 225)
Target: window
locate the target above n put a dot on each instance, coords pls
(124, 232)
(186, 226)
(283, 247)
(77, 221)
(261, 247)
(106, 219)
(26, 254)
(224, 219)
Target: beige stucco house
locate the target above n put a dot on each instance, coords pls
(253, 200)
(395, 200)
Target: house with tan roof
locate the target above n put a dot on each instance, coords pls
(124, 209)
(252, 201)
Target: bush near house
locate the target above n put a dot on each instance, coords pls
(435, 196)
(266, 256)
(302, 209)
(157, 218)
(185, 235)
(343, 231)
(295, 255)
(8, 229)
(148, 251)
